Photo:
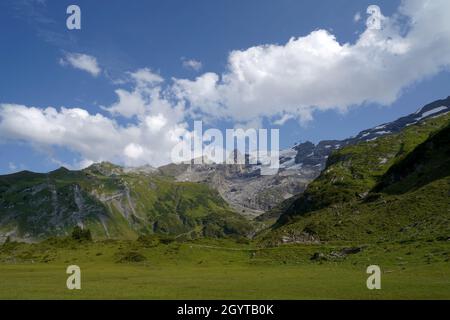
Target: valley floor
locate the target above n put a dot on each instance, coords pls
(210, 269)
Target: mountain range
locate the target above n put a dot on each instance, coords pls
(112, 202)
(251, 194)
(313, 197)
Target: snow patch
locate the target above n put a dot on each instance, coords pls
(433, 111)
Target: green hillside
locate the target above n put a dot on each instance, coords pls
(395, 188)
(112, 203)
(219, 269)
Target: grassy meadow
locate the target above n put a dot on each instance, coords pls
(222, 269)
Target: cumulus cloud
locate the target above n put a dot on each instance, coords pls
(96, 137)
(133, 151)
(145, 76)
(192, 64)
(82, 62)
(147, 90)
(316, 72)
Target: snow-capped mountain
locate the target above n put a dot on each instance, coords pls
(250, 193)
(311, 155)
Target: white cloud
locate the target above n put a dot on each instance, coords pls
(192, 64)
(278, 82)
(76, 165)
(316, 72)
(283, 119)
(156, 123)
(357, 17)
(133, 151)
(145, 77)
(82, 62)
(129, 103)
(136, 102)
(201, 93)
(156, 128)
(93, 136)
(84, 163)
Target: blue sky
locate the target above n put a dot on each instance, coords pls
(162, 36)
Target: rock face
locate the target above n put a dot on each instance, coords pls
(251, 194)
(242, 186)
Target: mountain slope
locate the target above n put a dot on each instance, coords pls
(428, 162)
(251, 194)
(242, 186)
(112, 202)
(396, 187)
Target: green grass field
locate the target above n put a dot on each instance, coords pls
(222, 269)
